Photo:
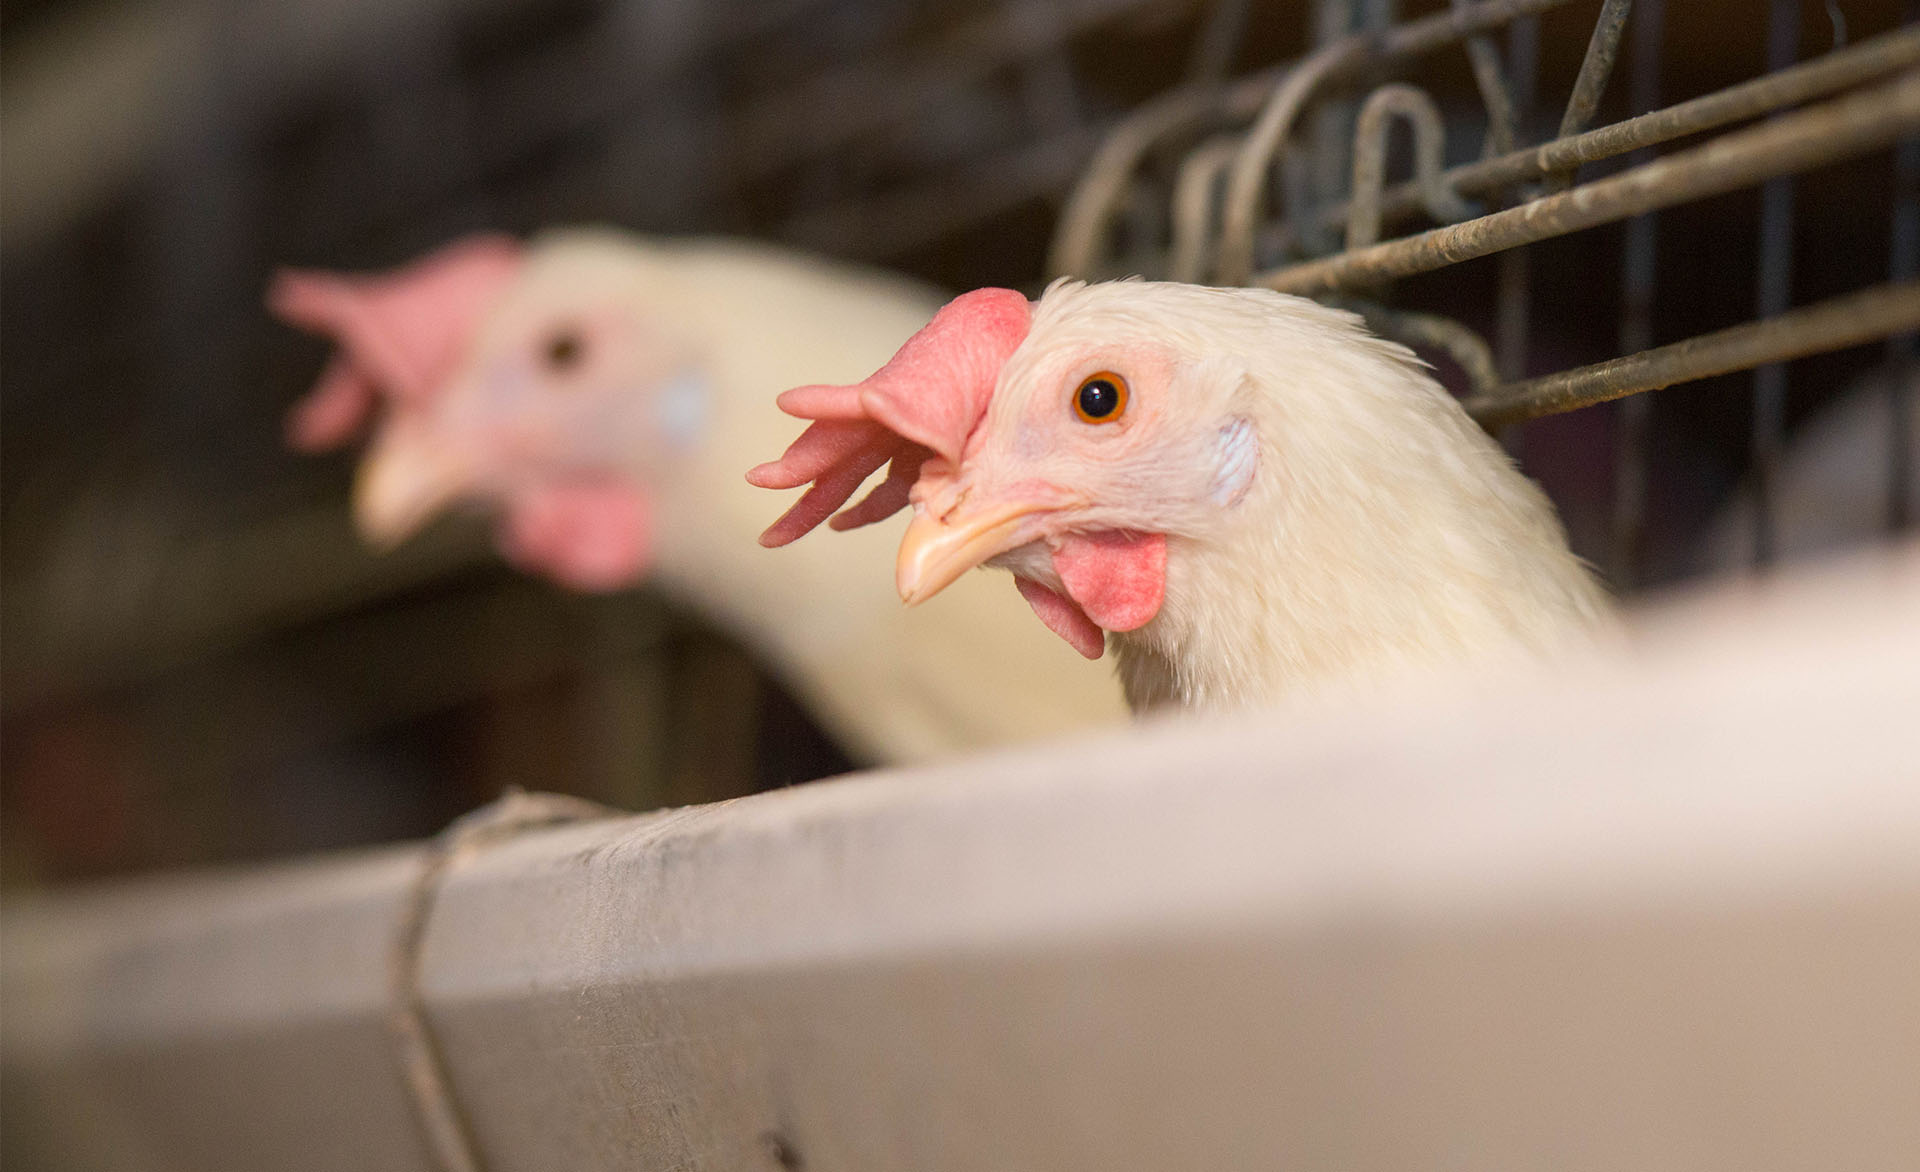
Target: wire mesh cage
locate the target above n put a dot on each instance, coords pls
(1318, 133)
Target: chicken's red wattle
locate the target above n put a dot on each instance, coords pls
(592, 534)
(1119, 579)
(1063, 617)
(1115, 582)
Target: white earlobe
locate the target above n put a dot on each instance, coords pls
(1236, 457)
(681, 408)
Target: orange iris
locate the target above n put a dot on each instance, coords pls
(1101, 398)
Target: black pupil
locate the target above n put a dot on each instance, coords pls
(1099, 398)
(563, 350)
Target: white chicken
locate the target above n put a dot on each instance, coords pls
(1245, 493)
(599, 392)
(1834, 484)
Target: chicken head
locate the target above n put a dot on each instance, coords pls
(1065, 454)
(522, 383)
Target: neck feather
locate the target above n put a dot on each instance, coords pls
(1385, 532)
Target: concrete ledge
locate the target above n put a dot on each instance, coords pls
(1652, 910)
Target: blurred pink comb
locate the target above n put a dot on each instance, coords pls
(401, 333)
(924, 402)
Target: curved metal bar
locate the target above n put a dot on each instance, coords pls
(1862, 121)
(1370, 160)
(1864, 62)
(1076, 244)
(1246, 184)
(1459, 342)
(1247, 181)
(1306, 234)
(1193, 201)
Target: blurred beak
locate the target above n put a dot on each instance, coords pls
(402, 483)
(937, 550)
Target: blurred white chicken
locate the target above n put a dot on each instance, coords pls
(1246, 493)
(601, 392)
(1833, 488)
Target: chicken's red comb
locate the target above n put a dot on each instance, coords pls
(401, 333)
(926, 400)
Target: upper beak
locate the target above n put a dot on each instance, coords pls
(936, 550)
(402, 483)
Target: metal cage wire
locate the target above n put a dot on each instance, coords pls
(1269, 130)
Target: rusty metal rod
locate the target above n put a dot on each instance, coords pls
(1252, 168)
(1076, 243)
(1513, 291)
(1859, 122)
(1827, 325)
(1867, 61)
(1502, 122)
(1595, 68)
(1247, 181)
(1412, 105)
(1639, 272)
(1458, 341)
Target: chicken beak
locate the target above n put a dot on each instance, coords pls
(401, 484)
(935, 551)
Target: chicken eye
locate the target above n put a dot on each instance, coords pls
(564, 350)
(1102, 398)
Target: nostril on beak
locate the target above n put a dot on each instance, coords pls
(953, 506)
